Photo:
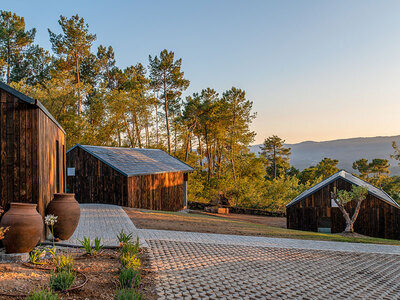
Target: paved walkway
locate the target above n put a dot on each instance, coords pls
(215, 266)
(225, 239)
(103, 221)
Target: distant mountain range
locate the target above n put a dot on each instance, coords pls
(347, 151)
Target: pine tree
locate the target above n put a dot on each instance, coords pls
(277, 155)
(13, 40)
(166, 75)
(73, 47)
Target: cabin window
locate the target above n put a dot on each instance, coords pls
(333, 203)
(57, 167)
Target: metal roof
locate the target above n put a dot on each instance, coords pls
(351, 179)
(29, 100)
(136, 161)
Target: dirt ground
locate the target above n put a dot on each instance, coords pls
(202, 222)
(101, 272)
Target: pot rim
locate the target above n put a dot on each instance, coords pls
(65, 194)
(19, 204)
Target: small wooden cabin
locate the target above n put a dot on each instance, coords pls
(314, 210)
(132, 177)
(32, 151)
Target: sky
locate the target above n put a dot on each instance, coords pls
(315, 70)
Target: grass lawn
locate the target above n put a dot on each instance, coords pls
(235, 224)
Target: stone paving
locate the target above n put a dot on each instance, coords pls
(187, 270)
(226, 239)
(190, 265)
(103, 221)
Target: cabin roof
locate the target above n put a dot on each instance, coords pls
(349, 178)
(136, 161)
(29, 100)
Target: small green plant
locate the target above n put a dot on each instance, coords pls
(64, 263)
(62, 281)
(89, 247)
(42, 295)
(129, 278)
(3, 230)
(124, 238)
(130, 261)
(97, 244)
(35, 255)
(130, 248)
(52, 252)
(128, 294)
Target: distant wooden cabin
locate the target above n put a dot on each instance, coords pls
(32, 151)
(132, 177)
(314, 210)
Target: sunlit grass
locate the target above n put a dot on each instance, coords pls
(248, 228)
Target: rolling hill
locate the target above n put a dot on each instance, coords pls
(347, 151)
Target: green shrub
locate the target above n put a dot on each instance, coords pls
(42, 295)
(129, 248)
(64, 263)
(129, 278)
(62, 281)
(89, 247)
(128, 294)
(130, 261)
(97, 244)
(124, 238)
(35, 255)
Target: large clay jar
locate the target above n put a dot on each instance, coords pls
(68, 211)
(25, 227)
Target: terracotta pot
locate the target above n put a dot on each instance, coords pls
(68, 211)
(26, 227)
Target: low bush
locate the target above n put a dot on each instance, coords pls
(62, 281)
(36, 254)
(64, 263)
(124, 238)
(130, 261)
(128, 294)
(89, 247)
(131, 249)
(42, 295)
(129, 278)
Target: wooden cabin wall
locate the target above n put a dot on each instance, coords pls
(157, 191)
(95, 181)
(376, 218)
(50, 137)
(19, 170)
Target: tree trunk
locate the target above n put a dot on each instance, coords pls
(79, 84)
(201, 150)
(166, 113)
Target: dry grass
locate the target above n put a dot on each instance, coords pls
(236, 224)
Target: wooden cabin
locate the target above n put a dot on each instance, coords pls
(131, 177)
(314, 210)
(32, 151)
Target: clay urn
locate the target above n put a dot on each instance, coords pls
(25, 227)
(68, 212)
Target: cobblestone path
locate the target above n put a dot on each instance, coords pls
(187, 270)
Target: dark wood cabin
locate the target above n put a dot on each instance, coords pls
(131, 177)
(32, 151)
(314, 210)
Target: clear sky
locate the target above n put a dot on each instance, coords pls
(315, 70)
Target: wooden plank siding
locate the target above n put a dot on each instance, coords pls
(377, 218)
(27, 153)
(97, 182)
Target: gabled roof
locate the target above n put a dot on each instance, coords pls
(29, 100)
(351, 179)
(135, 161)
